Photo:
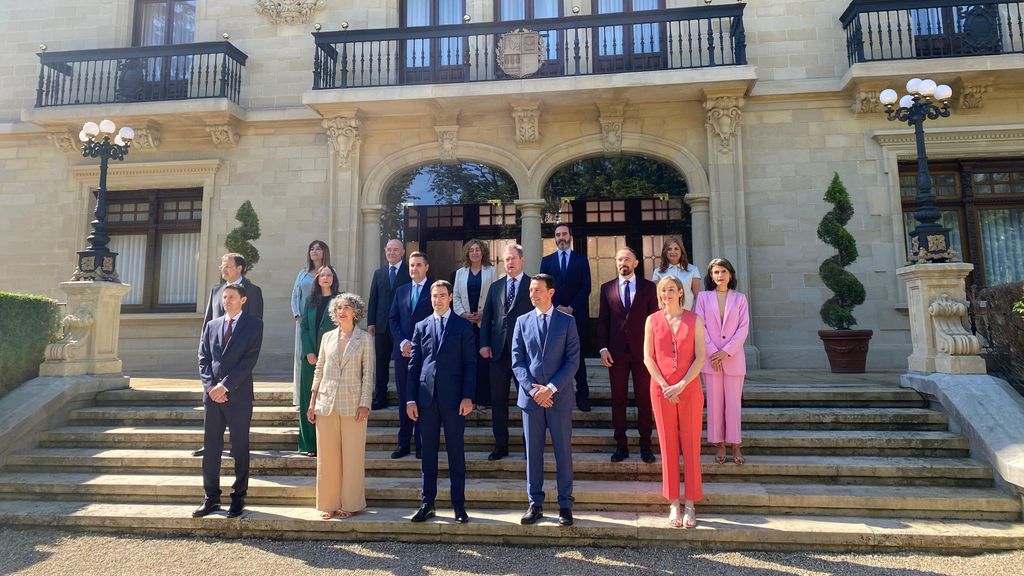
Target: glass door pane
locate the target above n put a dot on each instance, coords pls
(601, 254)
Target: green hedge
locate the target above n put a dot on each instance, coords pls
(27, 324)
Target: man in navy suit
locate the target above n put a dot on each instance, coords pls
(410, 305)
(545, 356)
(382, 291)
(507, 299)
(228, 351)
(572, 272)
(442, 383)
(626, 302)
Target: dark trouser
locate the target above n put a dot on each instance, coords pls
(382, 346)
(483, 375)
(406, 427)
(619, 376)
(432, 419)
(307, 431)
(582, 389)
(235, 416)
(500, 378)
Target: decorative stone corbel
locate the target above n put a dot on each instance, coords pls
(866, 102)
(972, 96)
(224, 135)
(610, 115)
(72, 346)
(950, 335)
(147, 137)
(723, 116)
(65, 141)
(344, 136)
(288, 11)
(447, 142)
(526, 114)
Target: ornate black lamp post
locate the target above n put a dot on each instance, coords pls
(929, 240)
(97, 262)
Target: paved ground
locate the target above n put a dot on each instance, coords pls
(56, 553)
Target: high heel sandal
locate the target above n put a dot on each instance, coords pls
(737, 456)
(674, 519)
(689, 517)
(326, 515)
(720, 455)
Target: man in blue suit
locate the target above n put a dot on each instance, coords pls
(572, 272)
(545, 356)
(411, 304)
(442, 383)
(228, 351)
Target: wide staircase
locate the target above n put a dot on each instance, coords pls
(833, 462)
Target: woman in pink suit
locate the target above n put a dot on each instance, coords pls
(674, 354)
(724, 311)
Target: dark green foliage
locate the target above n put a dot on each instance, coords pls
(618, 177)
(238, 239)
(27, 324)
(1002, 330)
(470, 183)
(837, 311)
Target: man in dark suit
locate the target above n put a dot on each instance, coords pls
(410, 305)
(382, 290)
(228, 351)
(231, 267)
(545, 355)
(571, 271)
(507, 299)
(442, 383)
(626, 302)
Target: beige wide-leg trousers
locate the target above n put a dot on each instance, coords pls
(340, 463)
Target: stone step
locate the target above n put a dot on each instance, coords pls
(636, 496)
(753, 418)
(904, 471)
(777, 442)
(501, 526)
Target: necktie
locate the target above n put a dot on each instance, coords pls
(438, 335)
(227, 333)
(392, 275)
(628, 301)
(563, 263)
(415, 295)
(543, 329)
(511, 296)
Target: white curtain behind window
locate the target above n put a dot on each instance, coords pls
(178, 268)
(417, 52)
(645, 36)
(513, 10)
(131, 263)
(1002, 242)
(450, 12)
(609, 38)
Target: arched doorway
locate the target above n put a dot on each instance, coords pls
(436, 208)
(612, 202)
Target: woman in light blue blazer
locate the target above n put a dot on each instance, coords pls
(471, 284)
(317, 255)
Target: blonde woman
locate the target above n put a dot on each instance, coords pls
(339, 407)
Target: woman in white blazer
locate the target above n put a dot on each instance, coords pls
(340, 407)
(471, 284)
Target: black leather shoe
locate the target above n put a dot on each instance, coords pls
(497, 454)
(400, 452)
(205, 508)
(460, 516)
(419, 454)
(533, 514)
(236, 508)
(583, 405)
(198, 452)
(620, 454)
(426, 511)
(565, 516)
(646, 454)
(379, 406)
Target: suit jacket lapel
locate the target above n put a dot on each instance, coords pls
(728, 305)
(350, 349)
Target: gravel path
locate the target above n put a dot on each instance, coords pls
(56, 553)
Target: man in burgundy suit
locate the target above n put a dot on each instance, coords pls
(626, 302)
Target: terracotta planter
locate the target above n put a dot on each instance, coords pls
(847, 350)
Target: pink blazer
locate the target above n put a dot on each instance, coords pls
(727, 335)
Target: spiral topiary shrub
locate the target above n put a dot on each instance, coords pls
(837, 311)
(238, 239)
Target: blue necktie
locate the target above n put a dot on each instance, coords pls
(438, 335)
(543, 330)
(392, 275)
(511, 296)
(563, 263)
(628, 301)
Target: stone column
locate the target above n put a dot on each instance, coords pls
(91, 329)
(344, 137)
(530, 211)
(371, 246)
(936, 299)
(700, 224)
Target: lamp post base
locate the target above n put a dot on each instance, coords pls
(930, 246)
(96, 266)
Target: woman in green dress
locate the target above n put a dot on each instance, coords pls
(315, 323)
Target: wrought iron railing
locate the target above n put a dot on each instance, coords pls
(674, 39)
(879, 30)
(140, 74)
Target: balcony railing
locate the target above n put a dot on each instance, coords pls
(675, 39)
(140, 74)
(878, 30)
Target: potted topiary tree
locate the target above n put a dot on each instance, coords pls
(238, 239)
(847, 349)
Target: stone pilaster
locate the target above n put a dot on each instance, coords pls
(530, 212)
(91, 328)
(700, 226)
(371, 245)
(344, 138)
(936, 298)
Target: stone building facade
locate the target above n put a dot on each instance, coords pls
(756, 140)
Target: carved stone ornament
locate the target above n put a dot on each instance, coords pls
(936, 250)
(66, 141)
(343, 137)
(866, 102)
(76, 329)
(950, 335)
(447, 142)
(147, 138)
(610, 116)
(289, 11)
(723, 117)
(527, 119)
(520, 52)
(223, 135)
(972, 96)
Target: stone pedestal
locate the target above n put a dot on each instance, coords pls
(91, 329)
(936, 297)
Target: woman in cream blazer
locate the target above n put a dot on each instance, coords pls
(470, 292)
(340, 406)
